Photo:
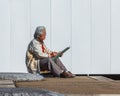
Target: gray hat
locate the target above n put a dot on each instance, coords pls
(38, 31)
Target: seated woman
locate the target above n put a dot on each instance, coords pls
(39, 57)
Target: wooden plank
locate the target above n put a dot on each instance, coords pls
(2, 82)
(7, 84)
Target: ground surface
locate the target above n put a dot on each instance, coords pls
(77, 85)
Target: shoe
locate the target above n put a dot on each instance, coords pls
(66, 75)
(73, 75)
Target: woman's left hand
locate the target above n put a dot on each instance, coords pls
(54, 54)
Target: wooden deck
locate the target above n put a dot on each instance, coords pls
(77, 85)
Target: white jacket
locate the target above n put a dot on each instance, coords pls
(34, 54)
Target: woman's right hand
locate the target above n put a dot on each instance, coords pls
(49, 55)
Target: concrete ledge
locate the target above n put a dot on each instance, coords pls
(27, 92)
(21, 76)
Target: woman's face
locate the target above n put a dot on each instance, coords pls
(43, 36)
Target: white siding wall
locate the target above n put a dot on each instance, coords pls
(81, 36)
(100, 36)
(19, 28)
(115, 36)
(5, 35)
(89, 27)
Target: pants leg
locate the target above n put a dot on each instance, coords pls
(44, 64)
(60, 64)
(49, 64)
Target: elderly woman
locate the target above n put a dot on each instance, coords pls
(39, 57)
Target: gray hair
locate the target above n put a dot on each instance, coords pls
(38, 31)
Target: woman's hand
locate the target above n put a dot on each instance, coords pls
(53, 54)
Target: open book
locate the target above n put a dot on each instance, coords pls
(60, 53)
